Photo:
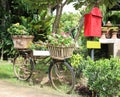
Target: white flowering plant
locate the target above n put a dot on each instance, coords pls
(62, 39)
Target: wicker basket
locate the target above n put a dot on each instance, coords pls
(60, 52)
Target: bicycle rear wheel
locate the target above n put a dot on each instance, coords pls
(62, 76)
(23, 67)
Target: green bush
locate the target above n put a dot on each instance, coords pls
(78, 63)
(104, 76)
(75, 60)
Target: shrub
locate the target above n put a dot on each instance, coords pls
(78, 63)
(104, 76)
(75, 60)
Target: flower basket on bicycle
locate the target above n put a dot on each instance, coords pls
(61, 74)
(60, 46)
(60, 52)
(21, 37)
(22, 41)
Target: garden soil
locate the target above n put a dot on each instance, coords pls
(8, 89)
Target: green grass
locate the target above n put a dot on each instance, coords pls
(6, 70)
(7, 73)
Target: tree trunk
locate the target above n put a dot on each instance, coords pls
(2, 52)
(79, 28)
(57, 18)
(3, 3)
(49, 10)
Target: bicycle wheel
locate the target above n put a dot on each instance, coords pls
(23, 67)
(62, 76)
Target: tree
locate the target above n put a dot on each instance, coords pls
(10, 12)
(59, 7)
(90, 4)
(3, 20)
(50, 6)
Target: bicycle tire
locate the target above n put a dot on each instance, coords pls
(62, 76)
(23, 67)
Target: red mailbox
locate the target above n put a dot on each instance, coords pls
(92, 23)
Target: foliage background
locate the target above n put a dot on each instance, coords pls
(37, 16)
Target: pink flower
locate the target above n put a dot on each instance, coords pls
(53, 33)
(63, 34)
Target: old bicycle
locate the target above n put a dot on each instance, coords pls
(60, 72)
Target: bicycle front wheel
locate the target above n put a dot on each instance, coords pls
(23, 67)
(62, 76)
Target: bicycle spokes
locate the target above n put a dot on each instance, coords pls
(62, 76)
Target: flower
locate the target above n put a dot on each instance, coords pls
(17, 29)
(62, 39)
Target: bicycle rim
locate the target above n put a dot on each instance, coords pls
(62, 77)
(23, 67)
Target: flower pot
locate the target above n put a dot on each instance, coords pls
(22, 41)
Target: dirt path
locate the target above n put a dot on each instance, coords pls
(12, 90)
(8, 89)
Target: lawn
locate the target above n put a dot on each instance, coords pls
(6, 70)
(7, 74)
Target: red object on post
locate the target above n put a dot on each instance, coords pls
(93, 23)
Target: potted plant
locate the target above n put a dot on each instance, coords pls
(61, 45)
(20, 36)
